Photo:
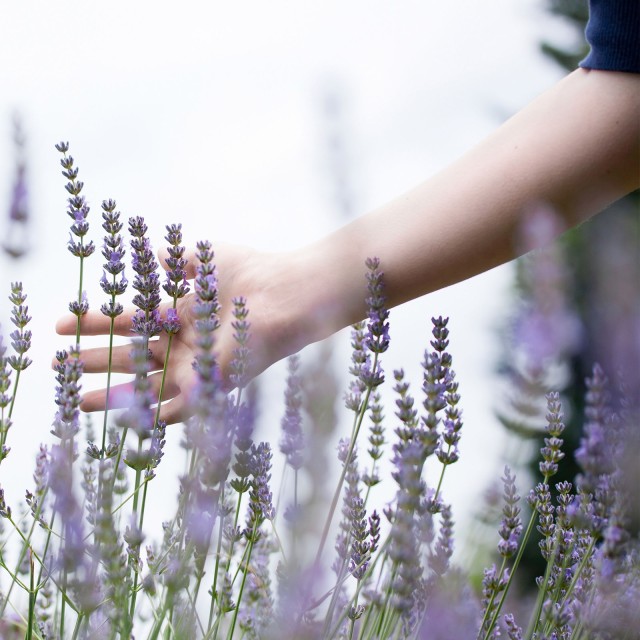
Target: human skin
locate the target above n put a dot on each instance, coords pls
(575, 149)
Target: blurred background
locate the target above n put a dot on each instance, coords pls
(267, 124)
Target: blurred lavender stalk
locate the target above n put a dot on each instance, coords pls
(16, 236)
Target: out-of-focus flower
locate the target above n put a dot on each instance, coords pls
(292, 442)
(546, 327)
(15, 240)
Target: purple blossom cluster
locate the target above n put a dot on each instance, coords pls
(230, 562)
(113, 252)
(78, 210)
(16, 236)
(147, 321)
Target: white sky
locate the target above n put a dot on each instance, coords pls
(210, 114)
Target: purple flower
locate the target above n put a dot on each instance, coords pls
(139, 416)
(77, 207)
(595, 454)
(15, 240)
(146, 282)
(21, 337)
(360, 544)
(69, 372)
(439, 558)
(172, 324)
(19, 210)
(546, 326)
(511, 524)
(434, 389)
(5, 510)
(551, 453)
(376, 439)
(206, 309)
(113, 252)
(540, 500)
(240, 362)
(176, 283)
(80, 307)
(358, 359)
(292, 442)
(377, 339)
(260, 505)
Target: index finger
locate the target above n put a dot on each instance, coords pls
(95, 323)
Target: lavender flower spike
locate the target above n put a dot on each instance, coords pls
(21, 337)
(147, 321)
(113, 252)
(15, 243)
(292, 442)
(376, 339)
(176, 285)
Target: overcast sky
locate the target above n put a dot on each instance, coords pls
(213, 114)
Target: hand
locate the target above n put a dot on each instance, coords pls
(241, 271)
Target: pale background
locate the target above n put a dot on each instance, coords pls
(213, 114)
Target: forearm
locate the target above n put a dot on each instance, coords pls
(576, 149)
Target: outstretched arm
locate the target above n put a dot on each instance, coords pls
(576, 149)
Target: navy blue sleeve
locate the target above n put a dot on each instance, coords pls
(613, 32)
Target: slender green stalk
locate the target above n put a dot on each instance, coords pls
(23, 552)
(440, 480)
(216, 570)
(80, 293)
(354, 436)
(76, 630)
(485, 617)
(155, 420)
(242, 584)
(108, 388)
(123, 438)
(516, 562)
(32, 599)
(542, 591)
(13, 400)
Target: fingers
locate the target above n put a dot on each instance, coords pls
(177, 410)
(121, 395)
(176, 407)
(95, 323)
(97, 360)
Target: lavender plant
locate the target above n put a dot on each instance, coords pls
(81, 563)
(15, 241)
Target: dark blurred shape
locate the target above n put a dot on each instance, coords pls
(15, 238)
(336, 132)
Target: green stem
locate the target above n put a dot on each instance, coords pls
(444, 468)
(13, 398)
(24, 549)
(109, 365)
(116, 467)
(76, 629)
(487, 609)
(155, 423)
(516, 562)
(80, 293)
(542, 592)
(216, 569)
(354, 436)
(244, 579)
(32, 599)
